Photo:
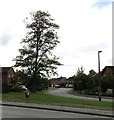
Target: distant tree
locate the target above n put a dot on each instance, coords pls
(80, 70)
(36, 57)
(82, 81)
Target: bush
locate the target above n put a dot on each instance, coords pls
(62, 85)
(82, 82)
(15, 88)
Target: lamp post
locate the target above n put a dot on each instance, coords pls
(99, 72)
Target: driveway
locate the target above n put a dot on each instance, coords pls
(65, 92)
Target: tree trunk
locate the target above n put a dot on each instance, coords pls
(34, 85)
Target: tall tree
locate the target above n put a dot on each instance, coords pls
(36, 56)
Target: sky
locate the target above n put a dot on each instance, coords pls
(85, 28)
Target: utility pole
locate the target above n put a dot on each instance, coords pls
(99, 73)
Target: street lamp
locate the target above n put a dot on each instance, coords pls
(99, 73)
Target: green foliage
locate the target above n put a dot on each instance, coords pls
(41, 83)
(15, 88)
(44, 83)
(107, 82)
(19, 79)
(89, 84)
(62, 85)
(36, 57)
(82, 82)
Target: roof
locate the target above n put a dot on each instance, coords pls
(6, 69)
(111, 68)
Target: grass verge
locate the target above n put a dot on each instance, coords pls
(43, 98)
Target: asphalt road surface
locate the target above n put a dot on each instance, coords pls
(64, 93)
(20, 112)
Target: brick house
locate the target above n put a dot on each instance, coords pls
(70, 80)
(108, 70)
(7, 74)
(57, 81)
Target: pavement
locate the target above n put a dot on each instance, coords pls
(67, 92)
(59, 108)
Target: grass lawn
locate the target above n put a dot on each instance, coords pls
(43, 98)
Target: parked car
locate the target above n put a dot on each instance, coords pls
(70, 86)
(23, 87)
(109, 92)
(57, 86)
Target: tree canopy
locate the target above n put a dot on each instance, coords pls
(36, 57)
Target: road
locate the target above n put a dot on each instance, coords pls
(64, 93)
(20, 112)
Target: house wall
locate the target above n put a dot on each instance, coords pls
(6, 76)
(63, 80)
(53, 81)
(10, 75)
(57, 81)
(107, 72)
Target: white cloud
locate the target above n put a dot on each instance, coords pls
(5, 37)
